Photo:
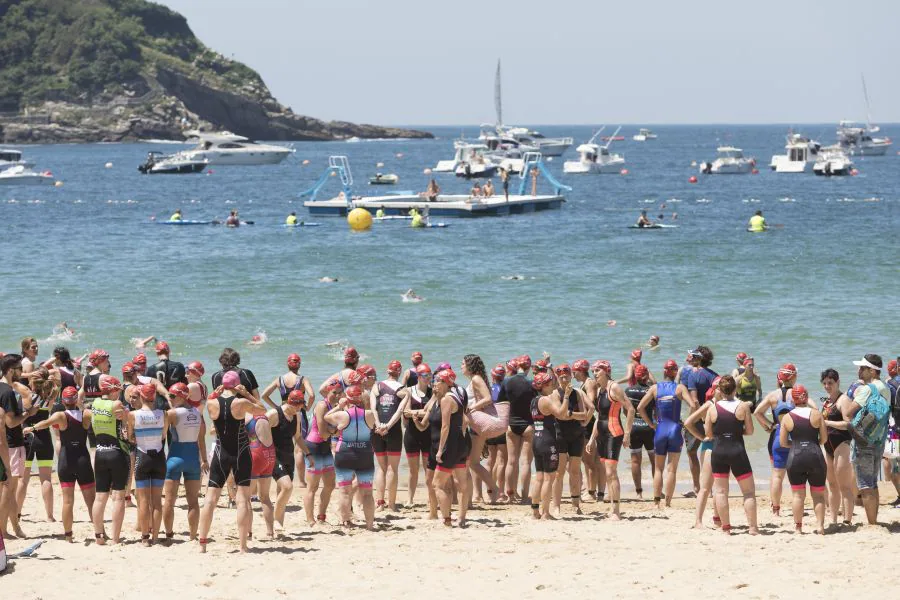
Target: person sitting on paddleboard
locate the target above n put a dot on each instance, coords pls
(233, 220)
(643, 221)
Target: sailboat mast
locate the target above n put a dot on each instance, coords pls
(866, 97)
(498, 103)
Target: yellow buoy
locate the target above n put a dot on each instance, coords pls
(359, 219)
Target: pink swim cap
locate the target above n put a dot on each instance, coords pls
(231, 380)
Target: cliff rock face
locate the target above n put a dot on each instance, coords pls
(119, 70)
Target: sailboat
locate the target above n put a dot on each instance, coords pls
(524, 136)
(857, 140)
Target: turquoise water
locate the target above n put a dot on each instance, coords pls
(819, 291)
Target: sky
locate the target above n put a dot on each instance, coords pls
(566, 62)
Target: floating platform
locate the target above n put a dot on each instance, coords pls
(444, 206)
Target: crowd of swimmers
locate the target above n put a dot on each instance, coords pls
(511, 435)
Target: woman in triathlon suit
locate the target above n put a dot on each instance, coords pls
(633, 362)
(387, 440)
(228, 406)
(593, 471)
(667, 440)
(45, 390)
(112, 460)
(319, 461)
(546, 410)
(487, 420)
(609, 435)
(803, 431)
(262, 455)
(497, 445)
(74, 460)
(691, 425)
(570, 433)
(728, 423)
(749, 385)
(150, 427)
(354, 457)
(779, 402)
(187, 458)
(837, 448)
(445, 415)
(416, 440)
(287, 432)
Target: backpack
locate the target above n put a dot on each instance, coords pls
(869, 426)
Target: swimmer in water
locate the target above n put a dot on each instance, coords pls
(411, 296)
(328, 280)
(652, 343)
(258, 339)
(142, 343)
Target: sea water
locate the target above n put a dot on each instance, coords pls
(819, 289)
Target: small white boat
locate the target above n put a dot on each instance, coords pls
(731, 161)
(384, 179)
(800, 156)
(858, 140)
(226, 148)
(470, 161)
(833, 161)
(594, 158)
(22, 175)
(12, 158)
(173, 164)
(643, 135)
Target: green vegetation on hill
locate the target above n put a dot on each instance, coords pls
(85, 51)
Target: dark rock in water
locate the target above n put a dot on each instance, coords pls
(122, 70)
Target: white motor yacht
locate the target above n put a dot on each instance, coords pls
(594, 158)
(12, 158)
(469, 160)
(800, 156)
(22, 175)
(833, 161)
(173, 164)
(731, 161)
(857, 140)
(643, 135)
(226, 148)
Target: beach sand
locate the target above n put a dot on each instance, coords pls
(502, 554)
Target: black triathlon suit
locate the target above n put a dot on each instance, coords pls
(836, 437)
(641, 432)
(805, 463)
(455, 453)
(416, 441)
(728, 453)
(74, 458)
(232, 453)
(570, 433)
(386, 403)
(518, 392)
(283, 439)
(546, 451)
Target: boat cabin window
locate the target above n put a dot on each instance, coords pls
(11, 156)
(230, 145)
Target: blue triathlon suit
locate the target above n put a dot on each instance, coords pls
(668, 412)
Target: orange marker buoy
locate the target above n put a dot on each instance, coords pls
(854, 172)
(755, 171)
(692, 179)
(623, 172)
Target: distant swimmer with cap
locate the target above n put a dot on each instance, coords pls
(176, 216)
(668, 396)
(291, 219)
(757, 223)
(609, 433)
(653, 343)
(778, 401)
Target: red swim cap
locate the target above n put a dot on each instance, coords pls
(671, 367)
(524, 362)
(636, 354)
(641, 372)
(296, 397)
(366, 371)
(416, 358)
(799, 394)
(542, 380)
(353, 392)
(581, 365)
(332, 385)
(196, 367)
(563, 369)
(180, 389)
(512, 365)
(423, 369)
(70, 393)
(787, 371)
(602, 364)
(394, 367)
(711, 392)
(147, 391)
(128, 368)
(140, 359)
(293, 361)
(350, 354)
(541, 365)
(741, 357)
(162, 347)
(892, 367)
(354, 378)
(447, 376)
(98, 356)
(108, 383)
(499, 372)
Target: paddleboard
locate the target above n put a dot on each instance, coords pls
(433, 226)
(301, 224)
(654, 226)
(393, 218)
(184, 222)
(755, 231)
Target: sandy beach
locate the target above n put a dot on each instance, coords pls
(503, 553)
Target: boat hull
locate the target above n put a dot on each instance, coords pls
(576, 167)
(219, 158)
(26, 180)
